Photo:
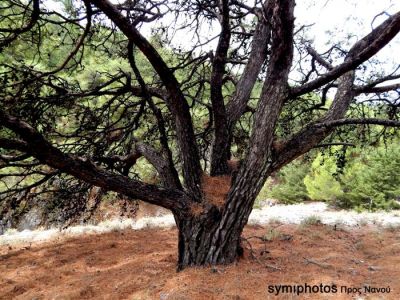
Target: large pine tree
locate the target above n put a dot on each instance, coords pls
(187, 118)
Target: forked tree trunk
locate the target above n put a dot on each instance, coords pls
(212, 235)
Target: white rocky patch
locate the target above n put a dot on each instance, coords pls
(288, 214)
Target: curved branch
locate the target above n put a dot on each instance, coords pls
(318, 58)
(370, 121)
(360, 52)
(165, 168)
(334, 144)
(78, 44)
(176, 100)
(168, 176)
(377, 89)
(16, 32)
(85, 170)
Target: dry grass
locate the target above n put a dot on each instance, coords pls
(196, 209)
(216, 189)
(234, 164)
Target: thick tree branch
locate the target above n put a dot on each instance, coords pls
(310, 136)
(253, 172)
(273, 95)
(165, 167)
(360, 52)
(318, 58)
(167, 175)
(85, 170)
(13, 144)
(156, 159)
(376, 89)
(371, 121)
(334, 144)
(176, 100)
(238, 105)
(262, 34)
(219, 157)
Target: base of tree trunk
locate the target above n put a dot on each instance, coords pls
(200, 244)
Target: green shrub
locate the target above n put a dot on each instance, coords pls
(370, 180)
(292, 188)
(320, 181)
(271, 235)
(311, 220)
(373, 181)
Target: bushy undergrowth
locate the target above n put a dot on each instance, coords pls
(292, 188)
(369, 180)
(372, 181)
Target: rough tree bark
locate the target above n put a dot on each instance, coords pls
(219, 239)
(219, 155)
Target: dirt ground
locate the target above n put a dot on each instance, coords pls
(141, 265)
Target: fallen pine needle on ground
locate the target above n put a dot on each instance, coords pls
(141, 264)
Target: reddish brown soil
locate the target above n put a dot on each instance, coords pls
(141, 265)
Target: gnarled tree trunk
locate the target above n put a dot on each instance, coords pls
(201, 243)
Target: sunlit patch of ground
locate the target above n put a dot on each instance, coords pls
(150, 216)
(140, 264)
